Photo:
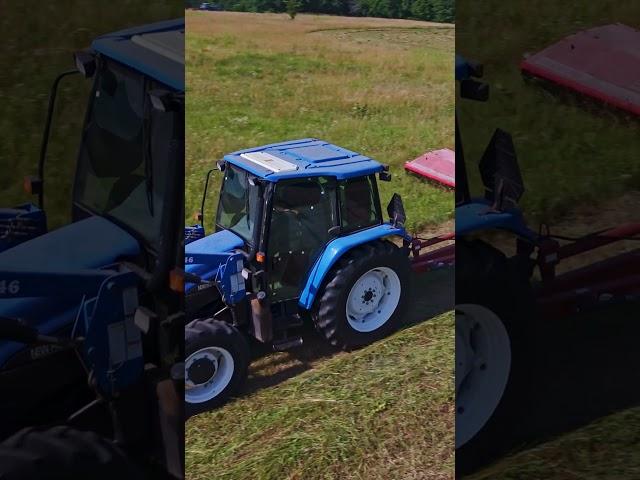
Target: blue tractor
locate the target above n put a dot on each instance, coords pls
(91, 323)
(300, 235)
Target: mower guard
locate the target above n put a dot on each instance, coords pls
(602, 63)
(437, 165)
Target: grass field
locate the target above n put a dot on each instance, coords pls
(607, 449)
(34, 51)
(377, 86)
(385, 412)
(570, 156)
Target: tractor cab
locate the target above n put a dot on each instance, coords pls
(132, 119)
(282, 204)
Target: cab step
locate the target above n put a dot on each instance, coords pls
(287, 344)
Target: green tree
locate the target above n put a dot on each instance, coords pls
(292, 7)
(442, 10)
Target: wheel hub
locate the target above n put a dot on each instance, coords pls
(208, 371)
(373, 299)
(368, 296)
(483, 363)
(202, 370)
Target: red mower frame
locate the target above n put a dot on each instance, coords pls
(609, 281)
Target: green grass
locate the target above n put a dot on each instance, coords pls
(608, 448)
(569, 155)
(384, 412)
(38, 44)
(257, 79)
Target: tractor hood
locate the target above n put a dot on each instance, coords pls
(217, 246)
(90, 243)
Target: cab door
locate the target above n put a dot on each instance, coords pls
(303, 211)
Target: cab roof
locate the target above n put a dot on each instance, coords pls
(303, 158)
(156, 50)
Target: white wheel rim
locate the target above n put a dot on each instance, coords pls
(223, 367)
(373, 299)
(483, 363)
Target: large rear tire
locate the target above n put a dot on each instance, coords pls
(217, 360)
(63, 453)
(494, 309)
(366, 297)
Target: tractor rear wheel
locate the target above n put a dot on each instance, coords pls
(217, 359)
(366, 297)
(494, 309)
(63, 453)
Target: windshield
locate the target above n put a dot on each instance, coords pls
(121, 172)
(239, 203)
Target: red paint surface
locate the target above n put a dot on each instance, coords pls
(438, 165)
(602, 62)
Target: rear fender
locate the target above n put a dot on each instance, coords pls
(335, 250)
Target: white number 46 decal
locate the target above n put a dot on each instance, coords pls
(9, 286)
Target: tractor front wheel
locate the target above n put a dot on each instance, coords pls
(63, 452)
(366, 297)
(217, 359)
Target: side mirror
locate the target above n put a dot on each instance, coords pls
(474, 90)
(396, 212)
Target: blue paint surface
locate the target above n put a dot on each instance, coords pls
(313, 157)
(477, 215)
(88, 244)
(334, 250)
(203, 257)
(120, 47)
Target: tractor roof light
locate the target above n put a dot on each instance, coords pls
(221, 165)
(384, 176)
(85, 63)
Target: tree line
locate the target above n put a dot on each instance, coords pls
(433, 10)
